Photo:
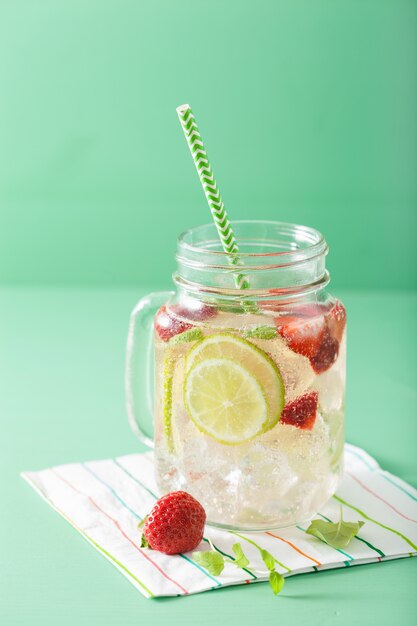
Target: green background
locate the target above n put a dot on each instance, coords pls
(308, 110)
(307, 107)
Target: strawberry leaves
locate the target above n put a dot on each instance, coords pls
(336, 534)
(276, 581)
(268, 559)
(213, 561)
(241, 560)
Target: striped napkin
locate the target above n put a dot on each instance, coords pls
(105, 500)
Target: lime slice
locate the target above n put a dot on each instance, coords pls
(257, 363)
(168, 376)
(225, 401)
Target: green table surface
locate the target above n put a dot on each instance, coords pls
(61, 396)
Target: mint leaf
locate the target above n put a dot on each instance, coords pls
(192, 334)
(144, 543)
(212, 561)
(268, 559)
(261, 332)
(241, 560)
(337, 535)
(276, 581)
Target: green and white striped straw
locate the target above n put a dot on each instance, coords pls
(205, 173)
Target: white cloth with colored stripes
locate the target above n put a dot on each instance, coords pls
(105, 500)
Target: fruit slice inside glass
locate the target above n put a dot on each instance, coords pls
(225, 401)
(256, 362)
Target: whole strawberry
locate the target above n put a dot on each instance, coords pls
(175, 524)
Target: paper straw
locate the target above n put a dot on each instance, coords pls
(205, 173)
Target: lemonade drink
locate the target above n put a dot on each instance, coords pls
(249, 407)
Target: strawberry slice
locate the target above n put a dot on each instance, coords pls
(314, 332)
(167, 325)
(303, 335)
(336, 320)
(301, 412)
(326, 354)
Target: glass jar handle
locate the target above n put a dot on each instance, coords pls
(139, 369)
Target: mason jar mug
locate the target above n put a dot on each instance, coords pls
(244, 401)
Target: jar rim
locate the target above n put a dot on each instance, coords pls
(307, 242)
(275, 258)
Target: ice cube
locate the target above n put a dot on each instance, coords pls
(331, 389)
(307, 451)
(266, 470)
